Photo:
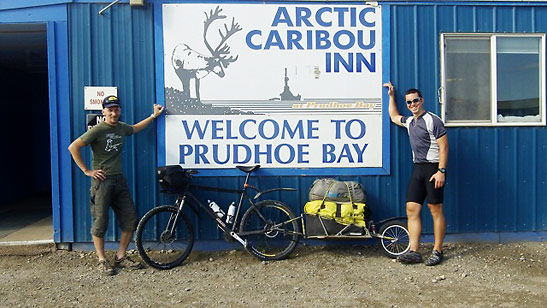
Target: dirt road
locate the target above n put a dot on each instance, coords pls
(473, 275)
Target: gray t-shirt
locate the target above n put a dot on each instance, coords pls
(106, 144)
(423, 133)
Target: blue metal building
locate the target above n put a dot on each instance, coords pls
(497, 181)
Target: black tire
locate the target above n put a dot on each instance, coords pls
(155, 243)
(398, 241)
(265, 241)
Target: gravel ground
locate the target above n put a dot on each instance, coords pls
(473, 275)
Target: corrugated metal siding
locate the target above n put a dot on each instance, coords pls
(497, 176)
(114, 49)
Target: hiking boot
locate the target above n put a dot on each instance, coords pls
(127, 262)
(435, 258)
(105, 268)
(410, 257)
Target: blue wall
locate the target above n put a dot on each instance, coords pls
(114, 49)
(497, 176)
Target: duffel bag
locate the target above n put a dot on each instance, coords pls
(356, 192)
(320, 189)
(338, 191)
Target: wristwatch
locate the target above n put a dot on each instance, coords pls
(442, 170)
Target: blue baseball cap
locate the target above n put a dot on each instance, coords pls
(111, 101)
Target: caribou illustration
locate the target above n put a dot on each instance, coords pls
(190, 64)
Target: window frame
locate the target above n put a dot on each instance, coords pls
(493, 77)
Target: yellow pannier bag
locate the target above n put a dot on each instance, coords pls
(345, 215)
(313, 207)
(352, 213)
(359, 214)
(328, 209)
(324, 208)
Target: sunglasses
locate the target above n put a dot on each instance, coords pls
(416, 100)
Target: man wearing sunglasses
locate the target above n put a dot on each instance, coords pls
(430, 153)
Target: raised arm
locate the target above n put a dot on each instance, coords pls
(158, 109)
(394, 114)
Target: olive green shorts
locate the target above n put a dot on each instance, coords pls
(111, 193)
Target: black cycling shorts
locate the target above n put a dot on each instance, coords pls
(419, 186)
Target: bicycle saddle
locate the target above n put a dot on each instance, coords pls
(248, 169)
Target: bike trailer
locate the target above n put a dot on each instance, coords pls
(320, 226)
(329, 218)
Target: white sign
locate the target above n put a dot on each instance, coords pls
(210, 141)
(283, 86)
(94, 96)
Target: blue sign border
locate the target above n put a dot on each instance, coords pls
(160, 98)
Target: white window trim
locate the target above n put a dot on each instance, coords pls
(493, 87)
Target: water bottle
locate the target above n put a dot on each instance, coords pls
(231, 213)
(214, 206)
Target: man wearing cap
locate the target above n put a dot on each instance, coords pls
(108, 186)
(430, 154)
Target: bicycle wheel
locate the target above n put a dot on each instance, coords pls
(271, 230)
(396, 239)
(162, 242)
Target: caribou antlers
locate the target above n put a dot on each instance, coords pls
(222, 48)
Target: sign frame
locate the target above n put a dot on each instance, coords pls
(351, 171)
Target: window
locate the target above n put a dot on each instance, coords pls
(493, 79)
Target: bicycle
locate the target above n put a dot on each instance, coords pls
(268, 229)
